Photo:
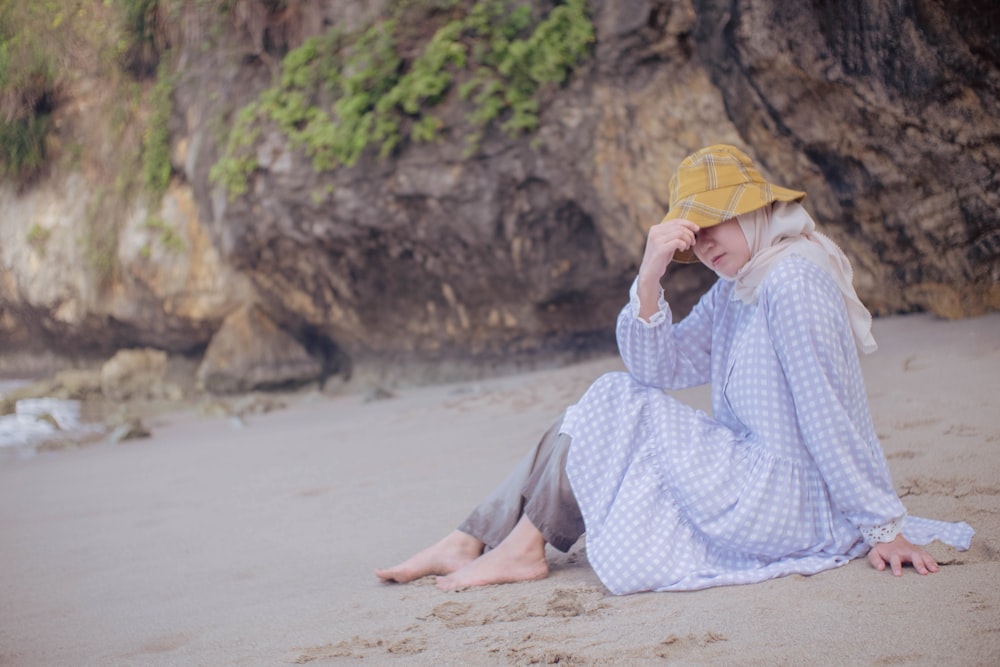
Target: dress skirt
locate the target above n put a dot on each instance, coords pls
(673, 500)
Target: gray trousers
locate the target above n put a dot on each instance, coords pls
(538, 487)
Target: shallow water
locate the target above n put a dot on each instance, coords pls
(28, 427)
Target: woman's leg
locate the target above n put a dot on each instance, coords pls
(519, 557)
(492, 520)
(538, 486)
(550, 515)
(549, 500)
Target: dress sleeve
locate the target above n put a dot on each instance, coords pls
(884, 533)
(813, 341)
(661, 354)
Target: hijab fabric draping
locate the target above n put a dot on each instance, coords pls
(786, 227)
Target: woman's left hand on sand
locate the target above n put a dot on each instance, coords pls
(900, 551)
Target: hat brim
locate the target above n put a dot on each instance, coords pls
(707, 209)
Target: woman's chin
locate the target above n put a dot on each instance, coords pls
(724, 273)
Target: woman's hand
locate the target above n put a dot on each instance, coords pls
(900, 551)
(664, 239)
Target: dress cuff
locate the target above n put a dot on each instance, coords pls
(662, 307)
(886, 532)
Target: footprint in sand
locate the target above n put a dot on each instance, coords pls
(963, 430)
(453, 614)
(916, 423)
(672, 645)
(565, 603)
(359, 648)
(977, 602)
(532, 654)
(951, 487)
(562, 603)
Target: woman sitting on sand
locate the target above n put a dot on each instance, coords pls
(786, 477)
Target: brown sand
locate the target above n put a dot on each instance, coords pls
(219, 544)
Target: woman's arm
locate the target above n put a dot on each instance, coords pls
(661, 354)
(814, 344)
(662, 241)
(656, 353)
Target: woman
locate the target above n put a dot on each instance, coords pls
(786, 477)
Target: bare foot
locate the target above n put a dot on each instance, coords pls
(520, 557)
(453, 552)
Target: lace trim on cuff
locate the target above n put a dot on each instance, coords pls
(887, 532)
(657, 318)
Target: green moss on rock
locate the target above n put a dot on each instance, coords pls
(339, 95)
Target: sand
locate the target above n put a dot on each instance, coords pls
(215, 543)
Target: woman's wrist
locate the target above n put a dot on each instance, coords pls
(886, 532)
(648, 293)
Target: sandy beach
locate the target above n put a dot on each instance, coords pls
(223, 543)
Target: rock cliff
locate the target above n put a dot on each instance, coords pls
(449, 259)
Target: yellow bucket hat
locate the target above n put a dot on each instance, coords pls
(716, 184)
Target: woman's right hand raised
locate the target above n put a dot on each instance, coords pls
(664, 239)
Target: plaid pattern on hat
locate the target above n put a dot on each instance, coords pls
(717, 184)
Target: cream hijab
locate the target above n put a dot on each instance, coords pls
(785, 227)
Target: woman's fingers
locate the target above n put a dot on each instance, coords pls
(674, 224)
(923, 562)
(674, 234)
(897, 564)
(929, 561)
(683, 222)
(662, 242)
(895, 556)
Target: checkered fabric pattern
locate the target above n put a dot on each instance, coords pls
(782, 479)
(716, 184)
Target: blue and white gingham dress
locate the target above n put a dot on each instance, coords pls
(781, 480)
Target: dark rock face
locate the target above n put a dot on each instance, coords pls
(433, 257)
(524, 250)
(886, 113)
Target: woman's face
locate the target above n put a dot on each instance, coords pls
(723, 248)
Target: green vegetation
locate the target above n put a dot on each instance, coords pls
(233, 171)
(47, 47)
(341, 95)
(168, 236)
(38, 236)
(44, 44)
(22, 146)
(27, 91)
(512, 70)
(156, 139)
(137, 47)
(337, 98)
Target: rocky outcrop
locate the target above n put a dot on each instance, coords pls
(137, 375)
(251, 352)
(888, 114)
(524, 250)
(885, 113)
(85, 275)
